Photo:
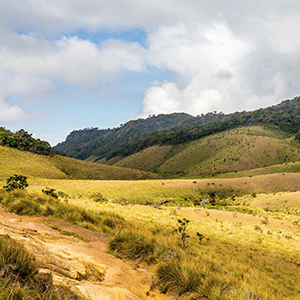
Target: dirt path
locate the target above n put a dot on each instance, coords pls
(83, 265)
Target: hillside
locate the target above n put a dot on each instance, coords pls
(175, 129)
(96, 143)
(245, 148)
(29, 164)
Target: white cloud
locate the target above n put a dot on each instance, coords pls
(10, 113)
(223, 55)
(202, 56)
(282, 35)
(31, 66)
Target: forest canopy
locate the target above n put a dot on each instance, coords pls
(22, 140)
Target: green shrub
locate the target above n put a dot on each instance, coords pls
(16, 182)
(50, 192)
(98, 197)
(182, 226)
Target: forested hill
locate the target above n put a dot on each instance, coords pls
(101, 143)
(96, 142)
(22, 140)
(175, 129)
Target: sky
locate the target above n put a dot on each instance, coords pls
(74, 64)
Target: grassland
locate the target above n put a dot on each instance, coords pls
(246, 148)
(249, 245)
(13, 161)
(177, 191)
(243, 235)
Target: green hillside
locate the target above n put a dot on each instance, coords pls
(175, 129)
(13, 161)
(245, 148)
(98, 143)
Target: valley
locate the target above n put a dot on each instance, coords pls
(188, 208)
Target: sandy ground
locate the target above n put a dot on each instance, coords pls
(85, 266)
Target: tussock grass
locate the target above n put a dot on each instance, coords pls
(20, 278)
(22, 203)
(233, 261)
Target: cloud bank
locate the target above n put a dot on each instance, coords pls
(222, 55)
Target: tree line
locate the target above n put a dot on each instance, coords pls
(22, 140)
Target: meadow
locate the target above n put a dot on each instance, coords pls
(246, 246)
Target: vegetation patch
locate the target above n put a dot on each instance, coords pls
(22, 203)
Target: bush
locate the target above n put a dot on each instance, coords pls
(16, 182)
(98, 197)
(50, 192)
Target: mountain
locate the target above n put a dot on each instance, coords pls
(100, 143)
(110, 145)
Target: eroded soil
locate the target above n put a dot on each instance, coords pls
(84, 265)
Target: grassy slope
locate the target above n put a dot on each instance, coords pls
(235, 150)
(26, 163)
(239, 257)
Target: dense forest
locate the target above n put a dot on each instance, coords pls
(175, 129)
(22, 140)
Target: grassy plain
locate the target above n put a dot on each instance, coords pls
(177, 191)
(249, 245)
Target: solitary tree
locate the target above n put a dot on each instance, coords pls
(182, 226)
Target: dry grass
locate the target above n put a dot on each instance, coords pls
(178, 191)
(13, 161)
(147, 159)
(250, 255)
(238, 254)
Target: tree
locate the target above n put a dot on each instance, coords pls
(182, 226)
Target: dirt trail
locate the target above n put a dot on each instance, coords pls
(83, 265)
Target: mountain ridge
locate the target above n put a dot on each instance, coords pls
(174, 129)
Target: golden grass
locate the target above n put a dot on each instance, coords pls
(147, 159)
(242, 255)
(241, 250)
(178, 191)
(13, 161)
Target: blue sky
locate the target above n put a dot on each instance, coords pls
(73, 64)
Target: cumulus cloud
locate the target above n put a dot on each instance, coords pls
(10, 113)
(223, 55)
(31, 66)
(207, 61)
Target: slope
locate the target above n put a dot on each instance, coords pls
(14, 161)
(175, 129)
(235, 150)
(89, 142)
